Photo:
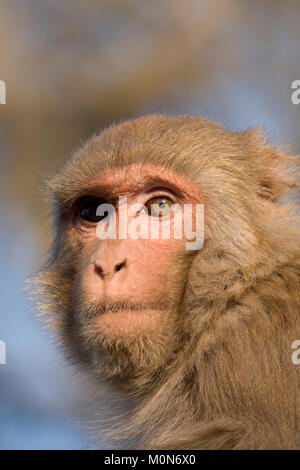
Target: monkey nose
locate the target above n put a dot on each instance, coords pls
(104, 273)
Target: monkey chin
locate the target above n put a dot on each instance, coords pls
(127, 341)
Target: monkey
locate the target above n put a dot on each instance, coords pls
(200, 340)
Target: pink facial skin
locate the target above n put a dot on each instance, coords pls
(135, 272)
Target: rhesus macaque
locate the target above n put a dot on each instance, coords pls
(201, 340)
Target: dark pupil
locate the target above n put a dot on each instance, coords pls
(89, 212)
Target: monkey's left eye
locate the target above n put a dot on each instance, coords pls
(88, 210)
(159, 206)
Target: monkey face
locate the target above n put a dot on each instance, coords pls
(128, 267)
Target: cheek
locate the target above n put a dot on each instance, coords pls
(158, 254)
(154, 270)
(154, 265)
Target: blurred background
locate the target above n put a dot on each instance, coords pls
(72, 68)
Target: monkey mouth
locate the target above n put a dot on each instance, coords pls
(118, 319)
(102, 308)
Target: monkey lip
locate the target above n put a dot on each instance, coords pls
(123, 307)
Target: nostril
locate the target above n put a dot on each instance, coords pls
(119, 266)
(99, 270)
(103, 274)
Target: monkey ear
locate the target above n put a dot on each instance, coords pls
(276, 171)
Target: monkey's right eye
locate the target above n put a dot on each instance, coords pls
(88, 210)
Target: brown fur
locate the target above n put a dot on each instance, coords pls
(223, 377)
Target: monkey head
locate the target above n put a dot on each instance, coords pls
(125, 306)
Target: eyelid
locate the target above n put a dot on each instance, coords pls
(85, 199)
(160, 192)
